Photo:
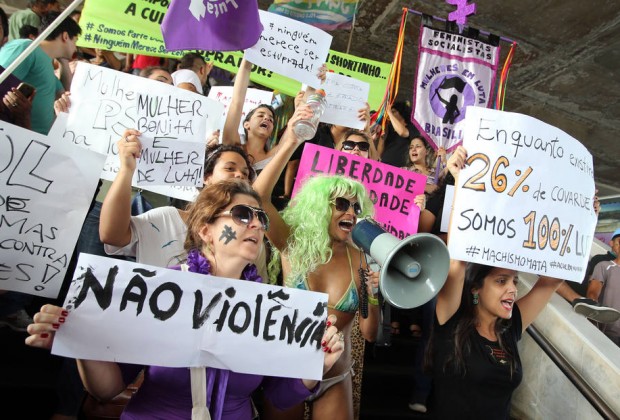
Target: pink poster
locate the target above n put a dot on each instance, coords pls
(391, 189)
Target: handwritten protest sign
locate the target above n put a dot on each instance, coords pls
(156, 316)
(163, 162)
(45, 191)
(525, 200)
(130, 27)
(391, 189)
(105, 102)
(253, 98)
(345, 97)
(290, 48)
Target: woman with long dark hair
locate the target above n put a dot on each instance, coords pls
(479, 319)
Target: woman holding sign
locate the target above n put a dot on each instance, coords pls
(313, 236)
(229, 209)
(478, 321)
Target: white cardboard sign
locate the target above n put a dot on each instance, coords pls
(46, 188)
(345, 96)
(525, 199)
(157, 316)
(290, 48)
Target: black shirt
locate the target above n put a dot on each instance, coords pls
(485, 390)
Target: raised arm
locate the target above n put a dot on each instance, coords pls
(235, 109)
(114, 226)
(449, 297)
(398, 122)
(534, 302)
(279, 231)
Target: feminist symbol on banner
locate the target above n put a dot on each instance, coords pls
(463, 9)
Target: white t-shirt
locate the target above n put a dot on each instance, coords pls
(157, 238)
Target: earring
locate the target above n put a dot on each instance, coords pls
(475, 295)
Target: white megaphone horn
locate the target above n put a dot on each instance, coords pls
(413, 270)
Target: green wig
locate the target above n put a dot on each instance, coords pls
(309, 215)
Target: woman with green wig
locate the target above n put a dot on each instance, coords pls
(313, 237)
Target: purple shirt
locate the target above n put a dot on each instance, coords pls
(166, 393)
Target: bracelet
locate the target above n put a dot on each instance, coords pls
(373, 300)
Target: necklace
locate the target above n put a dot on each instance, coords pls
(198, 263)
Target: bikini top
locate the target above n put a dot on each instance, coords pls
(349, 302)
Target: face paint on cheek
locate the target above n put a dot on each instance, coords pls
(228, 234)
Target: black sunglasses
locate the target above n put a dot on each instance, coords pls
(342, 204)
(350, 145)
(243, 214)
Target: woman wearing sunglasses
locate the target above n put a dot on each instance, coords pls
(229, 207)
(357, 143)
(156, 237)
(313, 237)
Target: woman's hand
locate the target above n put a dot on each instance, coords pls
(63, 103)
(596, 204)
(19, 106)
(332, 343)
(46, 323)
(372, 281)
(457, 161)
(129, 149)
(213, 139)
(363, 114)
(299, 98)
(420, 201)
(302, 112)
(322, 73)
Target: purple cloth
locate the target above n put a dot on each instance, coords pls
(221, 25)
(166, 393)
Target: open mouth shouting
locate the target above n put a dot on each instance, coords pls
(346, 225)
(507, 304)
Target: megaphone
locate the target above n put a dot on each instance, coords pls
(413, 270)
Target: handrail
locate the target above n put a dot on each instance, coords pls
(576, 379)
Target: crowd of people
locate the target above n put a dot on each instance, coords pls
(301, 242)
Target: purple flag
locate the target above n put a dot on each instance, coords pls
(212, 25)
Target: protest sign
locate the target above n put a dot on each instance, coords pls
(130, 27)
(157, 316)
(345, 96)
(290, 48)
(105, 102)
(525, 200)
(163, 162)
(253, 98)
(392, 190)
(453, 72)
(46, 189)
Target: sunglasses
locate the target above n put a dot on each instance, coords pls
(342, 204)
(350, 145)
(243, 214)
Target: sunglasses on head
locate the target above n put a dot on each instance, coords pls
(243, 214)
(350, 145)
(342, 204)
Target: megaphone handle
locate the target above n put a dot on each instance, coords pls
(364, 292)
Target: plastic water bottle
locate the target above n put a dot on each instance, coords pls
(306, 129)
